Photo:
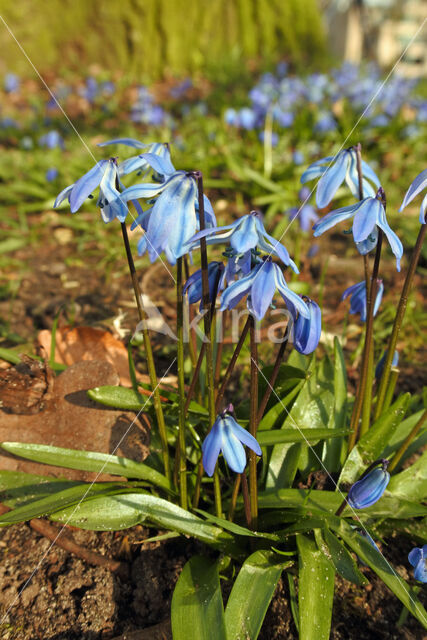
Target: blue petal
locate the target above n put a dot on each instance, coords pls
(365, 218)
(354, 287)
(233, 450)
(378, 298)
(110, 193)
(395, 244)
(370, 174)
(161, 165)
(245, 235)
(211, 448)
(130, 142)
(86, 184)
(415, 556)
(333, 218)
(423, 210)
(136, 163)
(143, 191)
(142, 245)
(307, 331)
(263, 289)
(244, 436)
(311, 173)
(418, 185)
(369, 489)
(289, 295)
(236, 291)
(332, 180)
(61, 196)
(276, 247)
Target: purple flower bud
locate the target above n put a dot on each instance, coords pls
(370, 488)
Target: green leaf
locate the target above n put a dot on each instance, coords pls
(10, 355)
(272, 416)
(18, 488)
(312, 436)
(340, 557)
(411, 484)
(120, 398)
(383, 569)
(251, 594)
(371, 446)
(328, 502)
(49, 504)
(316, 591)
(197, 608)
(235, 528)
(332, 450)
(87, 461)
(124, 510)
(12, 244)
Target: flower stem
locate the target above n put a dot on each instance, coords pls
(273, 378)
(246, 500)
(210, 376)
(181, 386)
(233, 501)
(398, 321)
(364, 373)
(232, 364)
(398, 455)
(253, 425)
(394, 374)
(148, 354)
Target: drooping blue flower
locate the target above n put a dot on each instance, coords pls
(228, 437)
(244, 234)
(370, 488)
(261, 284)
(306, 331)
(11, 83)
(358, 303)
(418, 185)
(104, 174)
(380, 366)
(51, 140)
(368, 214)
(418, 559)
(334, 170)
(306, 213)
(51, 174)
(194, 285)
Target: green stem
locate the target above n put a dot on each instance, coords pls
(364, 374)
(273, 378)
(246, 500)
(394, 374)
(148, 354)
(232, 363)
(398, 320)
(210, 376)
(233, 501)
(181, 386)
(398, 455)
(253, 426)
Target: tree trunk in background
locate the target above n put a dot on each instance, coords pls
(150, 39)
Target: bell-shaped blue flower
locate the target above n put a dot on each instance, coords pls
(368, 214)
(194, 287)
(244, 234)
(358, 303)
(418, 185)
(380, 366)
(370, 488)
(418, 559)
(334, 170)
(306, 331)
(141, 162)
(105, 175)
(261, 284)
(228, 437)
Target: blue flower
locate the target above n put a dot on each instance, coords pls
(418, 559)
(306, 213)
(370, 488)
(141, 162)
(418, 185)
(380, 366)
(369, 214)
(11, 82)
(194, 286)
(51, 174)
(244, 234)
(358, 304)
(261, 284)
(104, 174)
(229, 437)
(306, 331)
(334, 170)
(51, 140)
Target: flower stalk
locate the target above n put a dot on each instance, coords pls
(181, 386)
(398, 321)
(398, 455)
(253, 425)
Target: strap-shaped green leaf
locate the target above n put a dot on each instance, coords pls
(371, 446)
(315, 592)
(338, 554)
(333, 450)
(87, 461)
(383, 569)
(251, 594)
(312, 436)
(197, 608)
(412, 482)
